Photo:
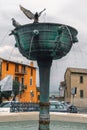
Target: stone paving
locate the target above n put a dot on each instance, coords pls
(22, 116)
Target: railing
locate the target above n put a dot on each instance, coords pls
(21, 72)
(24, 107)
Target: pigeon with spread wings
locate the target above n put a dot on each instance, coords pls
(30, 15)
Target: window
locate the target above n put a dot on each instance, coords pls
(31, 72)
(38, 97)
(16, 68)
(81, 94)
(22, 81)
(23, 69)
(7, 66)
(81, 79)
(17, 79)
(75, 90)
(30, 81)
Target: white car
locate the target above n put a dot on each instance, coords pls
(5, 106)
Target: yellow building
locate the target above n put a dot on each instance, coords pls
(25, 75)
(76, 86)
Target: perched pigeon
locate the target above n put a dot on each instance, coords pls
(30, 15)
(15, 23)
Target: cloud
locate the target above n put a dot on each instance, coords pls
(70, 12)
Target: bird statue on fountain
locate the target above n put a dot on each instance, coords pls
(15, 23)
(30, 15)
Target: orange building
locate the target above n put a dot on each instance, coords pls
(25, 75)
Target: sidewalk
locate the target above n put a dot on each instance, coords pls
(68, 117)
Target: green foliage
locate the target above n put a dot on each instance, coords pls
(6, 94)
(16, 86)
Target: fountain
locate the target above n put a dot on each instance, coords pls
(43, 42)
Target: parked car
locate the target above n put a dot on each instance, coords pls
(72, 109)
(6, 106)
(15, 106)
(66, 104)
(54, 107)
(61, 106)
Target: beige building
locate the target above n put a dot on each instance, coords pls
(76, 86)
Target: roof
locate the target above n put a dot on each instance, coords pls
(21, 63)
(77, 70)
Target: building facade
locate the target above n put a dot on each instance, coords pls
(61, 89)
(76, 86)
(25, 75)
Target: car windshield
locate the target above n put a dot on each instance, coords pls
(5, 104)
(53, 106)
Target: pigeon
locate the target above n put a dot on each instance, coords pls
(15, 23)
(30, 15)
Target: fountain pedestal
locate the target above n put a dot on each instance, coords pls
(44, 73)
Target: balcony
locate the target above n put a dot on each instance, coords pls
(21, 72)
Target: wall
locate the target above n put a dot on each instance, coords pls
(72, 79)
(29, 94)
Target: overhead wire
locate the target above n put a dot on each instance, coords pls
(65, 58)
(82, 55)
(10, 55)
(4, 43)
(2, 40)
(30, 45)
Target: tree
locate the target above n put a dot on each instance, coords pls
(5, 94)
(16, 86)
(15, 91)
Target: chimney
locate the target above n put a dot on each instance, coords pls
(31, 64)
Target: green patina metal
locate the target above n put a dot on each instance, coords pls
(44, 40)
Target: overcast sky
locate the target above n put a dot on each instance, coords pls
(69, 12)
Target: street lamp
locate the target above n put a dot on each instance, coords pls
(73, 92)
(12, 95)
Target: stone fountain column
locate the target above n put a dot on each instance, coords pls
(44, 73)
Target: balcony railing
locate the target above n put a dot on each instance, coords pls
(21, 72)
